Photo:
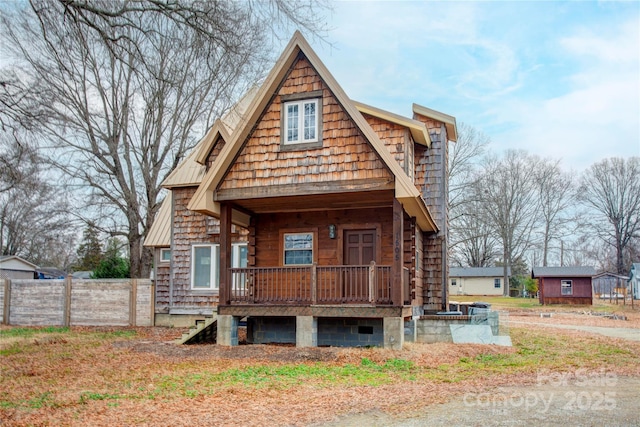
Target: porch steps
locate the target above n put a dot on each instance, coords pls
(204, 331)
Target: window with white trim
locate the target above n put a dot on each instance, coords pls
(239, 255)
(205, 266)
(301, 121)
(165, 255)
(567, 287)
(496, 283)
(298, 248)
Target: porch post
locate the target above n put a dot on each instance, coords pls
(225, 254)
(397, 298)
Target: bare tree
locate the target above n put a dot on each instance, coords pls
(465, 156)
(509, 203)
(469, 240)
(128, 86)
(555, 196)
(611, 190)
(475, 244)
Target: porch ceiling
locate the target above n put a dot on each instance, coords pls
(314, 202)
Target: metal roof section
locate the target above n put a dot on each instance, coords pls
(159, 235)
(192, 169)
(584, 271)
(478, 271)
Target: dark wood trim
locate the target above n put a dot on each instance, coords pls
(225, 253)
(315, 311)
(303, 189)
(398, 254)
(301, 95)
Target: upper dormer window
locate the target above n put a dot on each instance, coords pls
(301, 119)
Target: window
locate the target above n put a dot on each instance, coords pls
(205, 263)
(165, 255)
(567, 287)
(496, 283)
(298, 248)
(453, 282)
(239, 252)
(301, 121)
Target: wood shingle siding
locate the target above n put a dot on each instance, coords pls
(397, 139)
(217, 147)
(188, 228)
(344, 156)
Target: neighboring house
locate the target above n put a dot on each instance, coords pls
(14, 267)
(477, 280)
(319, 219)
(564, 285)
(607, 285)
(634, 280)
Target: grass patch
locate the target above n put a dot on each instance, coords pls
(35, 376)
(287, 376)
(29, 332)
(88, 396)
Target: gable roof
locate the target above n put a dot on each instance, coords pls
(478, 271)
(405, 190)
(564, 272)
(449, 121)
(14, 262)
(159, 234)
(418, 129)
(610, 274)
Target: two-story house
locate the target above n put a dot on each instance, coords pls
(318, 219)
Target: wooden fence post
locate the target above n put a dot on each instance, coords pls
(152, 295)
(133, 302)
(7, 302)
(67, 301)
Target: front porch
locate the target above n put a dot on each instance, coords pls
(317, 285)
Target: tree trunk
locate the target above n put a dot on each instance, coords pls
(505, 273)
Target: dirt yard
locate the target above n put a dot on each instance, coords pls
(111, 376)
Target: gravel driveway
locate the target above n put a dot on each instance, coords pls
(589, 401)
(577, 399)
(624, 333)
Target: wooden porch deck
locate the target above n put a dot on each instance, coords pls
(312, 285)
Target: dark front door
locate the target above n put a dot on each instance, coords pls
(359, 250)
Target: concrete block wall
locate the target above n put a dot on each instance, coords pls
(340, 332)
(265, 330)
(337, 332)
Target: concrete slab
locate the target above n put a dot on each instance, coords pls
(477, 334)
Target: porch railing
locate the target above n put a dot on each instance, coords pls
(336, 284)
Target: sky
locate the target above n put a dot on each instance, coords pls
(558, 79)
